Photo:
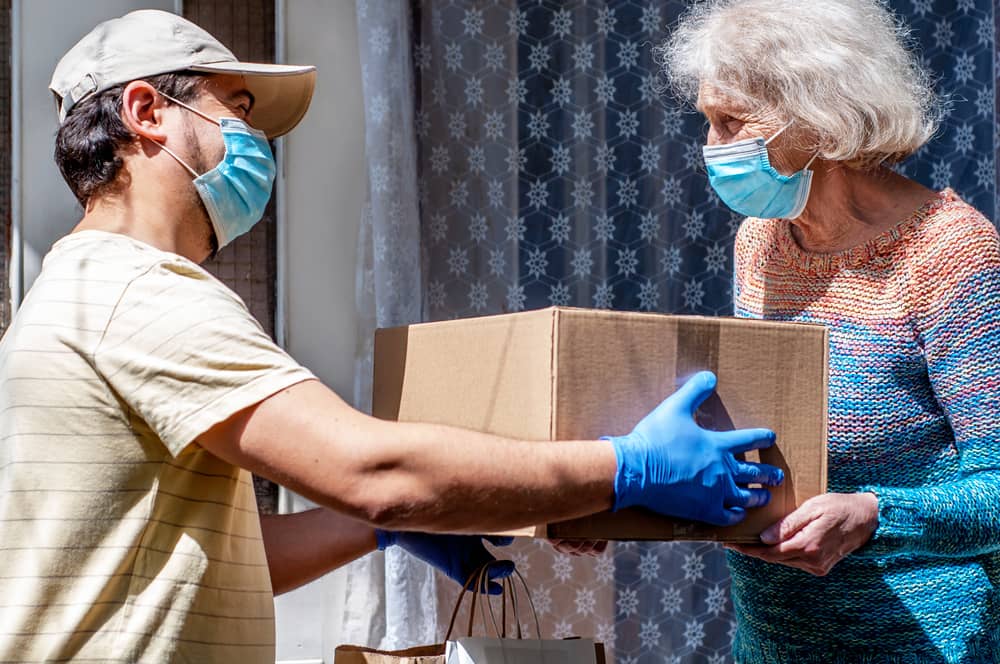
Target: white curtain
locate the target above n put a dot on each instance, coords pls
(389, 599)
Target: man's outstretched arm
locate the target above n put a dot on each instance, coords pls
(412, 476)
(404, 476)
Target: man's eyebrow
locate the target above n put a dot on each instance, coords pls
(242, 93)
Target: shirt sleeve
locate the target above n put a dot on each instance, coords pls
(956, 316)
(183, 353)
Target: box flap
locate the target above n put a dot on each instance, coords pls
(489, 374)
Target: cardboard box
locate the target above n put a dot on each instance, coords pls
(578, 374)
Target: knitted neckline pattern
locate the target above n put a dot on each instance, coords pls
(815, 263)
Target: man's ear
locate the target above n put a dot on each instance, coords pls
(142, 111)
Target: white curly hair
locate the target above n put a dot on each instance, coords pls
(844, 70)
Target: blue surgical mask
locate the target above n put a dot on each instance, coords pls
(236, 191)
(742, 176)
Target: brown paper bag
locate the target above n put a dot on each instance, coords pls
(486, 650)
(436, 654)
(359, 655)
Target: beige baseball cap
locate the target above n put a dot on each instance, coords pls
(150, 42)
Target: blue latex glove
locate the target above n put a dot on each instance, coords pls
(671, 465)
(458, 556)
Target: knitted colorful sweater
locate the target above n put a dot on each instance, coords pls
(914, 319)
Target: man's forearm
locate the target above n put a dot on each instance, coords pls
(305, 546)
(413, 476)
(442, 479)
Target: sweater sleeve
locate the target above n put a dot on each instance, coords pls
(955, 298)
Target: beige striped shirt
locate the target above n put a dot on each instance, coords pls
(121, 539)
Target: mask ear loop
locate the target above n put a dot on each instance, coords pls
(190, 108)
(170, 152)
(180, 161)
(779, 132)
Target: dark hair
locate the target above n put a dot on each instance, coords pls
(93, 133)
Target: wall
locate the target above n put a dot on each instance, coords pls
(5, 161)
(47, 208)
(247, 265)
(325, 184)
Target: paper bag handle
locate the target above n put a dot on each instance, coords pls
(509, 585)
(476, 583)
(472, 584)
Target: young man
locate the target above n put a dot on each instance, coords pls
(137, 394)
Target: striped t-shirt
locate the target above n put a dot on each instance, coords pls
(121, 539)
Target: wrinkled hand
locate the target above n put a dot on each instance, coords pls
(820, 533)
(671, 465)
(457, 556)
(579, 547)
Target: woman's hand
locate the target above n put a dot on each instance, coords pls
(579, 547)
(820, 533)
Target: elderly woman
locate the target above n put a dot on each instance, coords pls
(809, 104)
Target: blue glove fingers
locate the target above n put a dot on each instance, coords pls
(732, 516)
(749, 498)
(758, 473)
(457, 556)
(385, 538)
(694, 392)
(501, 569)
(725, 517)
(744, 440)
(498, 570)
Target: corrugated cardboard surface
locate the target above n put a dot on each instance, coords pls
(570, 374)
(490, 374)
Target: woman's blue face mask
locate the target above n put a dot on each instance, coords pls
(742, 175)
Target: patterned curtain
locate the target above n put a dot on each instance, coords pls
(553, 171)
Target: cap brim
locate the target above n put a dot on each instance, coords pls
(281, 92)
